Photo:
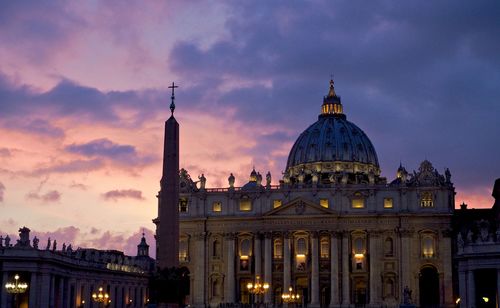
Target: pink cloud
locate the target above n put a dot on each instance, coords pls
(2, 191)
(123, 194)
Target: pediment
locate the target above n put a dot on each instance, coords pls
(299, 206)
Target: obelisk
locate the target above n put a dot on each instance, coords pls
(168, 198)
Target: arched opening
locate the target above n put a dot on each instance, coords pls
(325, 296)
(429, 287)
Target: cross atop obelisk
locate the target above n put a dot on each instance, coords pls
(172, 97)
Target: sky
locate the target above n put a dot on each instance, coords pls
(84, 96)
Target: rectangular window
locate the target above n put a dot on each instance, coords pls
(324, 248)
(324, 203)
(276, 203)
(358, 203)
(245, 205)
(388, 203)
(217, 206)
(426, 199)
(183, 205)
(183, 251)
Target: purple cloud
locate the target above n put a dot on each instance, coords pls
(123, 194)
(4, 152)
(48, 197)
(74, 166)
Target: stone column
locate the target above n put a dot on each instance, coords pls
(229, 283)
(52, 291)
(334, 270)
(286, 260)
(346, 290)
(405, 238)
(471, 289)
(445, 253)
(375, 264)
(3, 293)
(268, 262)
(33, 290)
(45, 291)
(462, 292)
(257, 255)
(498, 287)
(314, 270)
(199, 272)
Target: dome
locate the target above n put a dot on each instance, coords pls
(332, 145)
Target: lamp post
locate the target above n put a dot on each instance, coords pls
(101, 297)
(15, 288)
(257, 288)
(290, 297)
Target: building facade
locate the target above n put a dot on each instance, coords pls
(333, 229)
(65, 277)
(477, 257)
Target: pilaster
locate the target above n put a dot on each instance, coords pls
(286, 260)
(334, 270)
(346, 283)
(229, 283)
(315, 270)
(199, 274)
(268, 260)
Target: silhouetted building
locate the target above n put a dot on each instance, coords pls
(63, 277)
(333, 228)
(477, 256)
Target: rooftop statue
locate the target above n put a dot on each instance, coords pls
(230, 179)
(203, 181)
(35, 242)
(268, 179)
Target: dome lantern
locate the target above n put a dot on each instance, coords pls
(332, 104)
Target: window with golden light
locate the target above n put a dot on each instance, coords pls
(426, 199)
(278, 248)
(245, 205)
(388, 203)
(276, 203)
(324, 203)
(217, 206)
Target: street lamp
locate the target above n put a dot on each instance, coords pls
(101, 297)
(15, 288)
(257, 288)
(290, 297)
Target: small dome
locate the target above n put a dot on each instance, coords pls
(333, 144)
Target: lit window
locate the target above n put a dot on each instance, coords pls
(428, 246)
(301, 246)
(426, 199)
(245, 205)
(358, 203)
(388, 203)
(183, 205)
(324, 248)
(276, 203)
(183, 250)
(278, 249)
(217, 206)
(323, 203)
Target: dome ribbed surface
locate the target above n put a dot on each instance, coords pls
(332, 139)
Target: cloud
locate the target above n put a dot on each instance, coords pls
(48, 197)
(123, 194)
(4, 152)
(74, 166)
(2, 191)
(79, 186)
(124, 154)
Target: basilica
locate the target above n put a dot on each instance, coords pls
(333, 231)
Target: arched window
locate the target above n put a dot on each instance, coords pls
(245, 247)
(216, 249)
(278, 248)
(359, 247)
(428, 246)
(358, 201)
(183, 250)
(301, 246)
(324, 247)
(389, 247)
